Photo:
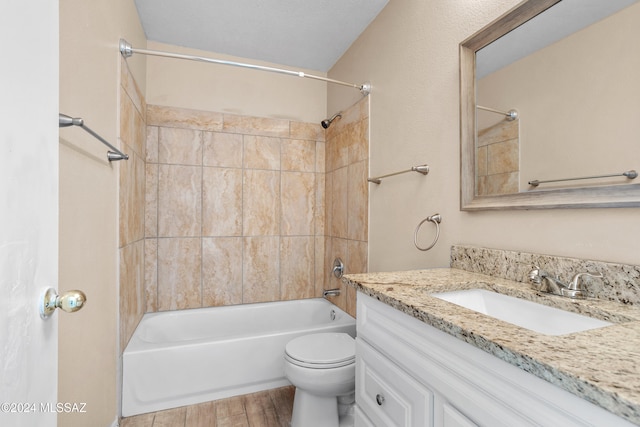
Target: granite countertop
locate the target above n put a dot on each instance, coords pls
(600, 365)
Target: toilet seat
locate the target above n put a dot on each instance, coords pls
(321, 351)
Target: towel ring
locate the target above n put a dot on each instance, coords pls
(436, 219)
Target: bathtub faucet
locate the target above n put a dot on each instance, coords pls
(331, 292)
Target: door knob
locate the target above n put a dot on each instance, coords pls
(69, 301)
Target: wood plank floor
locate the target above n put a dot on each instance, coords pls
(270, 408)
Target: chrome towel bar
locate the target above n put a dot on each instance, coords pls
(631, 174)
(423, 169)
(66, 121)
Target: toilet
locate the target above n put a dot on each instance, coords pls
(322, 367)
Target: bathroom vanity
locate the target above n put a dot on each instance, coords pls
(423, 361)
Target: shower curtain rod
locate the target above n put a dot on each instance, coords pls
(127, 50)
(511, 114)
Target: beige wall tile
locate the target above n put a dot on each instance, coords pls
(261, 269)
(152, 144)
(222, 149)
(503, 157)
(179, 201)
(151, 275)
(481, 161)
(350, 305)
(179, 278)
(261, 152)
(128, 83)
(131, 199)
(221, 271)
(310, 131)
(481, 185)
(132, 128)
(503, 183)
(261, 203)
(501, 131)
(127, 109)
(337, 151)
(338, 197)
(139, 134)
(298, 200)
(256, 126)
(319, 265)
(184, 118)
(320, 206)
(328, 202)
(359, 146)
(297, 267)
(355, 113)
(358, 257)
(179, 146)
(222, 202)
(219, 226)
(298, 155)
(151, 200)
(321, 157)
(131, 289)
(357, 201)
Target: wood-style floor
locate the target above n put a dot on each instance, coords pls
(270, 408)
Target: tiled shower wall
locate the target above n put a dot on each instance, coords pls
(498, 157)
(220, 209)
(234, 209)
(131, 203)
(347, 198)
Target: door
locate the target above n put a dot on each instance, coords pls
(28, 211)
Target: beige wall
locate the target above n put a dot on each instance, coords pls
(410, 55)
(233, 90)
(89, 86)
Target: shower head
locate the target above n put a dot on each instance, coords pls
(327, 122)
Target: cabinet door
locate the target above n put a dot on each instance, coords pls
(361, 419)
(387, 394)
(451, 417)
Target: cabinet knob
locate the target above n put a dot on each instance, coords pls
(379, 399)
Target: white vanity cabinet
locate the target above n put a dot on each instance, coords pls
(411, 374)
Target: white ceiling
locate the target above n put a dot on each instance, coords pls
(311, 34)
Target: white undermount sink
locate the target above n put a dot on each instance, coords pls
(530, 315)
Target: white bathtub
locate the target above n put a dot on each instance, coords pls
(179, 358)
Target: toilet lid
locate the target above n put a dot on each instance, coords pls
(322, 350)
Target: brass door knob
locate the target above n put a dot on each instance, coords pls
(69, 301)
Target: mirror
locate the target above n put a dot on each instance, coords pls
(571, 76)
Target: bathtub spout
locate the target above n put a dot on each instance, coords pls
(331, 292)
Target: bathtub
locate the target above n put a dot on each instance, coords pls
(185, 357)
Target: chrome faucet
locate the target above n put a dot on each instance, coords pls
(543, 282)
(331, 292)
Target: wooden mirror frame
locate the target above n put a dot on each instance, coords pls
(612, 196)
